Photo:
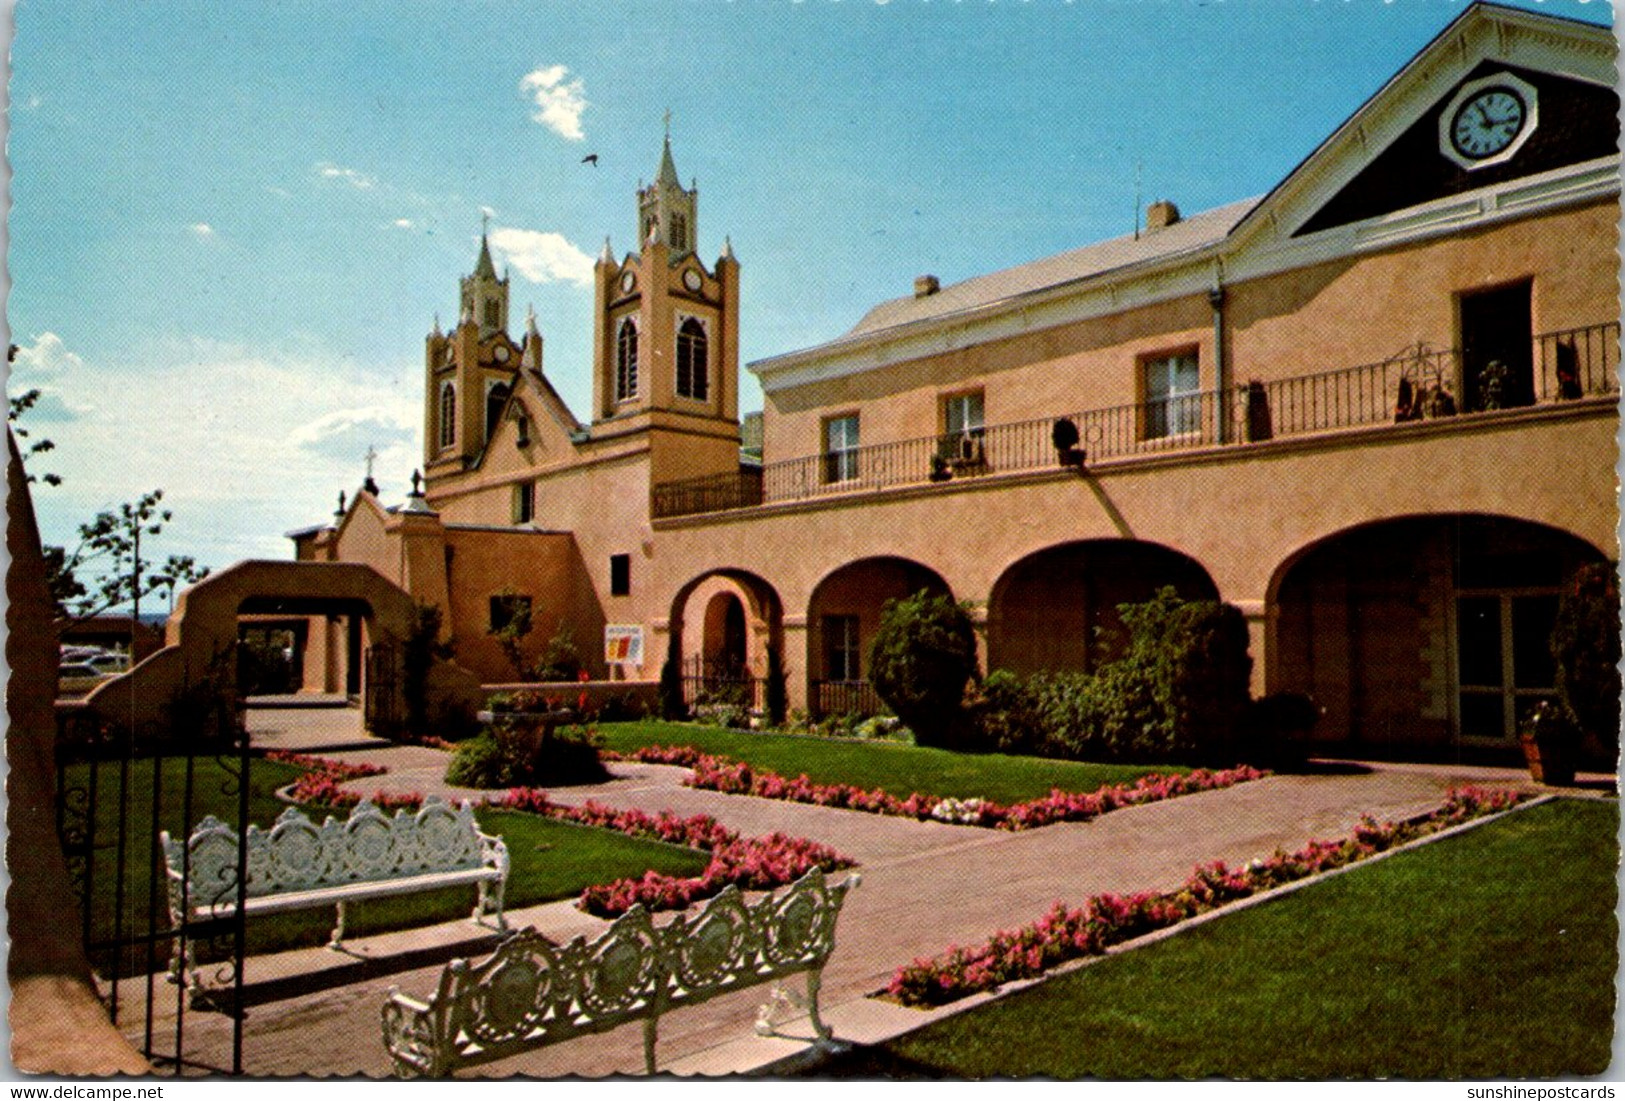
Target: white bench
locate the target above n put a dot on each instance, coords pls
(532, 992)
(297, 865)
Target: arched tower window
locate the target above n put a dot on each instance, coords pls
(496, 398)
(493, 314)
(679, 232)
(448, 415)
(626, 361)
(693, 376)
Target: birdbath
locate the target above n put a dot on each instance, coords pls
(529, 733)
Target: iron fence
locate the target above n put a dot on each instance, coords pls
(1420, 383)
(709, 681)
(844, 697)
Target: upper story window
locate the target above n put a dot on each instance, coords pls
(620, 575)
(679, 232)
(962, 429)
(448, 415)
(693, 368)
(524, 502)
(626, 361)
(493, 314)
(962, 414)
(1173, 402)
(496, 399)
(841, 448)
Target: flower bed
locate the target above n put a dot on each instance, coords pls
(1105, 920)
(760, 863)
(712, 773)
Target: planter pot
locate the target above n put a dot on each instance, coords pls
(1551, 761)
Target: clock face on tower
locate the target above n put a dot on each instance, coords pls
(1488, 121)
(1486, 124)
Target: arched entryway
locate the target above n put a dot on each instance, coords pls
(1426, 631)
(842, 617)
(1056, 609)
(723, 624)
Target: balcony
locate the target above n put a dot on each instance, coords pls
(1420, 384)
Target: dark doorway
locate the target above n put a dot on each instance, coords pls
(1497, 349)
(352, 657)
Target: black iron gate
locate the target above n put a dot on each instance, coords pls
(118, 788)
(379, 703)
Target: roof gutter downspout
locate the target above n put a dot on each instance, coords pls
(1221, 382)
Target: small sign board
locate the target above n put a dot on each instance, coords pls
(623, 644)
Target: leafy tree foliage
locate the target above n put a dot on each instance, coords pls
(1586, 648)
(923, 655)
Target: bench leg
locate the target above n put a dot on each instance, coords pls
(651, 1026)
(491, 898)
(337, 942)
(815, 980)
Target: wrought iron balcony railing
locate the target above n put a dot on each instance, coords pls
(1421, 383)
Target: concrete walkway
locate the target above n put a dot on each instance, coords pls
(926, 886)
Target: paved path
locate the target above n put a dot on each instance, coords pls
(926, 885)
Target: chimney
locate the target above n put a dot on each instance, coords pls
(926, 285)
(1160, 215)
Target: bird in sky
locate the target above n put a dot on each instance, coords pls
(590, 158)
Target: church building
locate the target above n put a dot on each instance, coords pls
(1375, 408)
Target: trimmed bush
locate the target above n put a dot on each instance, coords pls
(672, 706)
(500, 758)
(776, 700)
(1178, 693)
(1586, 650)
(923, 655)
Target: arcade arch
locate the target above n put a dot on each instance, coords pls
(1056, 609)
(1422, 631)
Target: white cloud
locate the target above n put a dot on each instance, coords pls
(345, 435)
(404, 223)
(253, 443)
(543, 257)
(359, 180)
(559, 100)
(48, 355)
(203, 230)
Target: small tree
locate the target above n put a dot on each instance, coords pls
(510, 629)
(560, 660)
(108, 568)
(922, 657)
(1586, 650)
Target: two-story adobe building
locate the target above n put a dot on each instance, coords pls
(1375, 408)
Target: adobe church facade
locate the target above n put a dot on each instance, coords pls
(1375, 408)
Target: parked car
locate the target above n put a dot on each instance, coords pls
(77, 670)
(109, 663)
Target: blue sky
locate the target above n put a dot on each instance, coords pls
(232, 224)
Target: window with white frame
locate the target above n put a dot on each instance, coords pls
(693, 354)
(626, 361)
(841, 448)
(1173, 403)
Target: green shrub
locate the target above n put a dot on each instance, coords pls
(419, 651)
(1586, 649)
(1178, 693)
(560, 660)
(923, 655)
(510, 754)
(1007, 715)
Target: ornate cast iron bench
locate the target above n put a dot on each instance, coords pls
(297, 865)
(532, 992)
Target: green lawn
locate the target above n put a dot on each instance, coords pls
(550, 860)
(899, 769)
(1488, 955)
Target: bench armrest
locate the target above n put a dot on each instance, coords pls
(410, 1036)
(494, 852)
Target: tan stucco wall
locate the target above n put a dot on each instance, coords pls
(1324, 317)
